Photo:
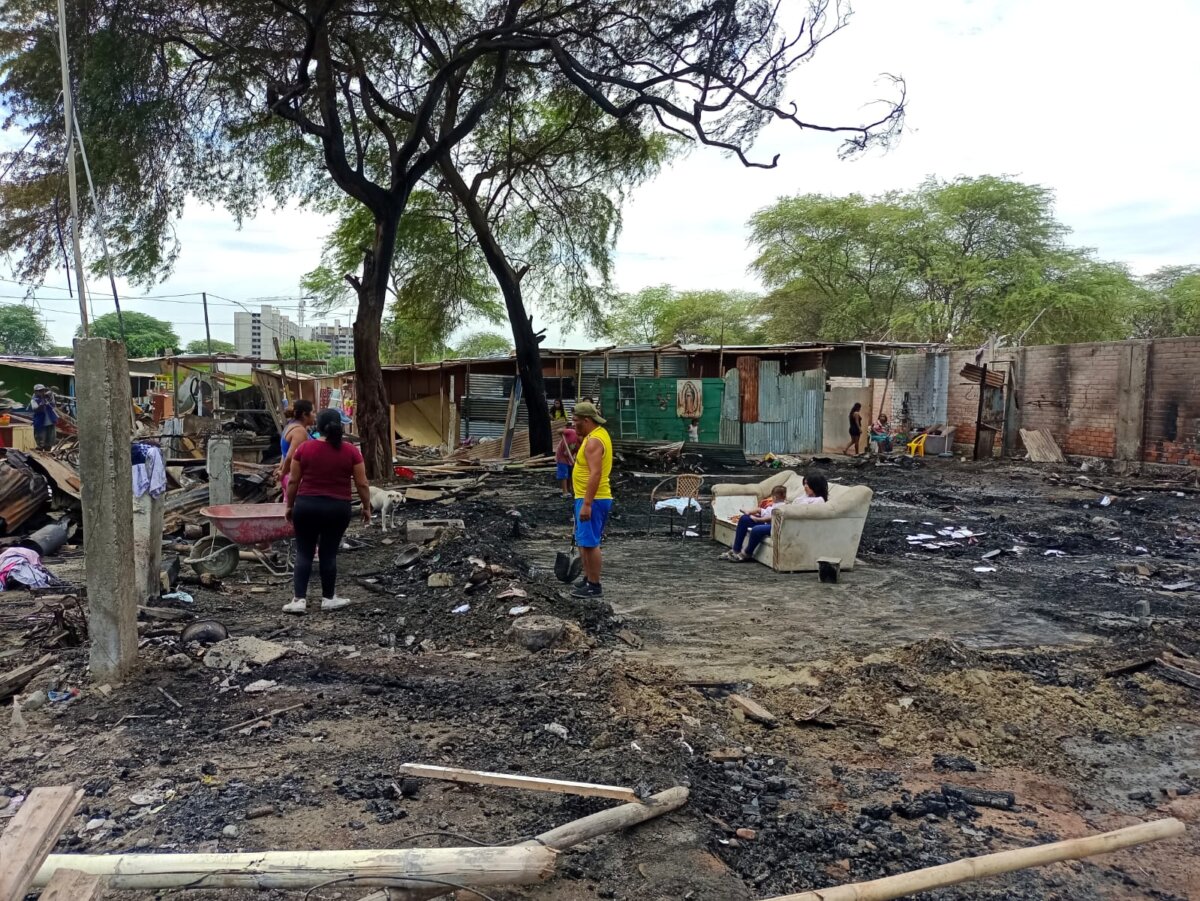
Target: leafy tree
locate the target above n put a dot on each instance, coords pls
(661, 315)
(1170, 303)
(367, 101)
(837, 265)
(294, 349)
(483, 344)
(21, 331)
(951, 261)
(200, 347)
(145, 336)
(59, 350)
(438, 280)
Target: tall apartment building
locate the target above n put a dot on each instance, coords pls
(252, 332)
(340, 338)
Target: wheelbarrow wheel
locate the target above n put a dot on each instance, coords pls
(216, 555)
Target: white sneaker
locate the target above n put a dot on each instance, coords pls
(334, 603)
(296, 605)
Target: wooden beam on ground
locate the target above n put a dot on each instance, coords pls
(72, 885)
(532, 783)
(754, 710)
(32, 835)
(972, 868)
(574, 833)
(413, 869)
(16, 679)
(612, 820)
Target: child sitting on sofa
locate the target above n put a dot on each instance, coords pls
(754, 526)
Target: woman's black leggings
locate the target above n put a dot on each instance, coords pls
(320, 523)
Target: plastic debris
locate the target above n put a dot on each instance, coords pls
(519, 611)
(557, 729)
(462, 608)
(985, 569)
(182, 596)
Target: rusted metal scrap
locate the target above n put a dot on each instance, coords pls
(23, 492)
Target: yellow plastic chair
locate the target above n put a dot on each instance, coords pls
(916, 447)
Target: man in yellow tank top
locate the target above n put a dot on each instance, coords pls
(593, 495)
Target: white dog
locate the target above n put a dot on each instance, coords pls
(385, 503)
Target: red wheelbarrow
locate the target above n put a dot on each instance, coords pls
(255, 527)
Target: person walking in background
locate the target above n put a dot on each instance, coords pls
(593, 494)
(45, 417)
(855, 430)
(296, 432)
(318, 506)
(693, 431)
(564, 459)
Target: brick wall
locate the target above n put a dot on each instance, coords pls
(1069, 390)
(1172, 418)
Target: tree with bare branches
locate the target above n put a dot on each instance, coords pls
(368, 99)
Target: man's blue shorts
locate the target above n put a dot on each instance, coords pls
(591, 533)
(563, 471)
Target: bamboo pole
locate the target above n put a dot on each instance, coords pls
(410, 868)
(972, 868)
(612, 820)
(574, 833)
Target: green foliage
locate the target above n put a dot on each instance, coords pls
(21, 331)
(661, 315)
(150, 141)
(1170, 304)
(200, 347)
(59, 350)
(294, 349)
(438, 279)
(953, 261)
(145, 336)
(483, 344)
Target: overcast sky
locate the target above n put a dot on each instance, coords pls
(1082, 96)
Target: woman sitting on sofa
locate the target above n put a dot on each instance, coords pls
(754, 526)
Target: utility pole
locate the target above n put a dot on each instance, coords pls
(207, 332)
(69, 114)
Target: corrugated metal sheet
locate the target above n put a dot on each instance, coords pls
(766, 437)
(483, 385)
(748, 373)
(731, 404)
(628, 366)
(770, 408)
(807, 408)
(791, 408)
(673, 366)
(731, 408)
(494, 409)
(592, 373)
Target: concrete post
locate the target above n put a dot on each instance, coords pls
(105, 471)
(147, 546)
(220, 469)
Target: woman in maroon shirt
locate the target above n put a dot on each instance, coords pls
(318, 504)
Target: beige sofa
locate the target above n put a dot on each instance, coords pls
(799, 533)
